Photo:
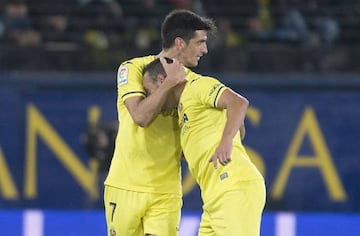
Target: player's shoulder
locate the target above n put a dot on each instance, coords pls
(138, 61)
(195, 78)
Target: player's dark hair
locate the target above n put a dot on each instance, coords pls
(183, 23)
(155, 68)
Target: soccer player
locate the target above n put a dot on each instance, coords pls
(211, 118)
(143, 188)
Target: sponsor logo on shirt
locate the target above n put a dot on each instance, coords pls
(183, 120)
(183, 126)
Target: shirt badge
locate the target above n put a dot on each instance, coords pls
(123, 75)
(224, 175)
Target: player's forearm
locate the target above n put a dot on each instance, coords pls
(148, 109)
(151, 106)
(235, 112)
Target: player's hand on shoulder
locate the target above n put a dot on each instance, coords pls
(175, 71)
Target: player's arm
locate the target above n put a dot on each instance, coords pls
(236, 107)
(144, 110)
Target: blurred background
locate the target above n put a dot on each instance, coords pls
(264, 35)
(298, 63)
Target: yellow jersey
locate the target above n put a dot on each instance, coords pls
(145, 159)
(202, 125)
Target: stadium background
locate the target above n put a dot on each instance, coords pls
(302, 126)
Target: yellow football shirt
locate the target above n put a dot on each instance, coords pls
(202, 125)
(145, 159)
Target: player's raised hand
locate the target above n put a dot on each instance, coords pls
(175, 72)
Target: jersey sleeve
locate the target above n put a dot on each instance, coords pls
(129, 80)
(209, 90)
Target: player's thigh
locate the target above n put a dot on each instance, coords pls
(163, 215)
(242, 209)
(205, 228)
(124, 210)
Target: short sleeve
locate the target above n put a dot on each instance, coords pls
(129, 80)
(209, 90)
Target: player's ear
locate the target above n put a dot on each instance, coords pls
(179, 43)
(161, 77)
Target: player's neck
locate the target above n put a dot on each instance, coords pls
(168, 53)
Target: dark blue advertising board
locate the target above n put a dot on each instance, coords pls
(305, 141)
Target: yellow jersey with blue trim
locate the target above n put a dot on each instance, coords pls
(145, 159)
(202, 124)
